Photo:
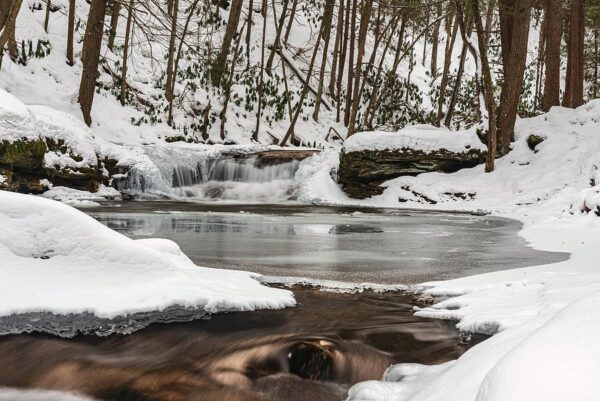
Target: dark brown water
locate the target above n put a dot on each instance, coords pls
(312, 352)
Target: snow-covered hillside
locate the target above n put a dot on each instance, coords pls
(41, 76)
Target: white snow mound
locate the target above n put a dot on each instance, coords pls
(57, 259)
(416, 137)
(16, 120)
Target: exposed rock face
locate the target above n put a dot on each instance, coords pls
(274, 157)
(361, 173)
(22, 167)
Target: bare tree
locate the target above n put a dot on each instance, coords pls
(47, 17)
(327, 17)
(219, 66)
(70, 32)
(126, 51)
(365, 19)
(171, 52)
(553, 29)
(451, 30)
(114, 23)
(487, 88)
(514, 33)
(249, 32)
(290, 132)
(339, 31)
(573, 96)
(276, 42)
(290, 22)
(350, 81)
(236, 52)
(261, 83)
(91, 56)
(8, 19)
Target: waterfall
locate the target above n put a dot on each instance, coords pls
(210, 176)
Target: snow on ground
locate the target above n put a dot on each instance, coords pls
(75, 197)
(416, 137)
(17, 121)
(58, 259)
(544, 319)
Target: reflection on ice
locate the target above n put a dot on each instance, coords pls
(386, 247)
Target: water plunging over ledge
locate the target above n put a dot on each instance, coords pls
(213, 175)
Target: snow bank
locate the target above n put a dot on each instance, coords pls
(75, 197)
(543, 318)
(426, 138)
(64, 128)
(57, 259)
(16, 120)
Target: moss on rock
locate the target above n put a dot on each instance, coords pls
(23, 154)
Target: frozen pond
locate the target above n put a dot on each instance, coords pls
(383, 246)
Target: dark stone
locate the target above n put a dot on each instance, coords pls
(362, 173)
(23, 154)
(534, 140)
(275, 157)
(22, 162)
(311, 361)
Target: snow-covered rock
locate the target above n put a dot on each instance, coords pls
(425, 138)
(57, 259)
(17, 122)
(370, 158)
(64, 130)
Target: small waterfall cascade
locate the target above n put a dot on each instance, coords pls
(211, 175)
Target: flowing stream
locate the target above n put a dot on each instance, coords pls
(335, 337)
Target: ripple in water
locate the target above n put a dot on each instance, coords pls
(315, 351)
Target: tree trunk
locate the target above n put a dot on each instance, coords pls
(456, 89)
(377, 80)
(595, 63)
(235, 9)
(365, 19)
(276, 42)
(515, 19)
(342, 60)
(350, 81)
(573, 96)
(290, 22)
(47, 17)
(171, 55)
(261, 83)
(327, 18)
(290, 132)
(489, 21)
(178, 57)
(91, 56)
(487, 88)
(378, 92)
(114, 23)
(249, 32)
(451, 31)
(553, 29)
(8, 20)
(435, 41)
(71, 33)
(126, 52)
(223, 114)
(339, 31)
